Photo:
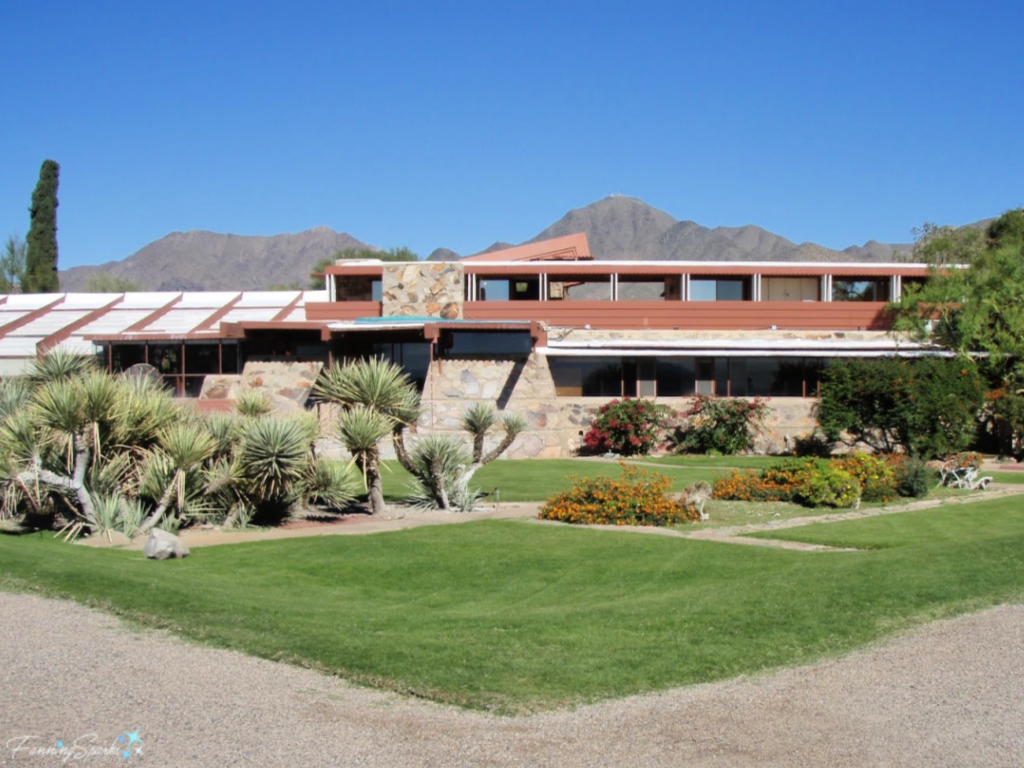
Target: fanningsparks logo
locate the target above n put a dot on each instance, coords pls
(125, 746)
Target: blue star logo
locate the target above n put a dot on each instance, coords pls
(133, 737)
(60, 745)
(125, 756)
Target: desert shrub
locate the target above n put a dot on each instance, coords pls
(877, 477)
(914, 478)
(722, 425)
(814, 444)
(631, 426)
(639, 497)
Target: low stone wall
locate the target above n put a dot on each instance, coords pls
(288, 385)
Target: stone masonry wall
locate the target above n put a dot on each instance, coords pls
(432, 289)
(556, 424)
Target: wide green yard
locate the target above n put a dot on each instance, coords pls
(512, 615)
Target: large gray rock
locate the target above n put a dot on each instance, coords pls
(163, 546)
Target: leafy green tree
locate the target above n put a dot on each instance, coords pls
(941, 246)
(41, 257)
(103, 282)
(927, 407)
(1008, 228)
(12, 264)
(391, 254)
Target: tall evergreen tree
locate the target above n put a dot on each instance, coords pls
(41, 260)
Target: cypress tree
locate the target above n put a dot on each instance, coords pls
(41, 260)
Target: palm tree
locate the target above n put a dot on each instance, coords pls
(377, 399)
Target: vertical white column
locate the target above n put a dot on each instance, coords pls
(615, 286)
(543, 286)
(757, 288)
(685, 292)
(895, 287)
(826, 287)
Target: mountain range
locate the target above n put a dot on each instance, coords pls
(617, 227)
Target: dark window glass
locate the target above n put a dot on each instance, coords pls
(124, 356)
(705, 376)
(860, 290)
(229, 359)
(166, 358)
(586, 376)
(475, 343)
(202, 358)
(676, 376)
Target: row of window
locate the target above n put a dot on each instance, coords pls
(685, 376)
(527, 288)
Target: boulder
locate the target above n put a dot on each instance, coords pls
(163, 545)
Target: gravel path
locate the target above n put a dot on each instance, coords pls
(949, 694)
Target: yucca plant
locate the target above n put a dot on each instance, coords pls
(60, 364)
(443, 466)
(361, 429)
(377, 399)
(438, 463)
(332, 483)
(177, 465)
(253, 404)
(274, 456)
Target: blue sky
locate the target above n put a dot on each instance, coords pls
(456, 124)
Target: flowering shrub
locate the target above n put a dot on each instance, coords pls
(876, 475)
(830, 486)
(629, 427)
(638, 498)
(722, 425)
(837, 482)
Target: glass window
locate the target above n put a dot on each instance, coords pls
(586, 376)
(124, 356)
(702, 290)
(477, 343)
(705, 376)
(202, 358)
(676, 376)
(714, 289)
(166, 358)
(860, 290)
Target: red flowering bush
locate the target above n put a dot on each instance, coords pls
(640, 497)
(722, 425)
(630, 427)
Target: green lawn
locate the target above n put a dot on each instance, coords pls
(715, 462)
(540, 479)
(516, 616)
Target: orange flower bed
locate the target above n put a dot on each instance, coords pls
(638, 498)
